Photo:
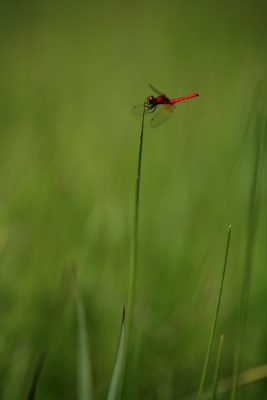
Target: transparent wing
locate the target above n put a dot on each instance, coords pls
(163, 113)
(139, 109)
(155, 90)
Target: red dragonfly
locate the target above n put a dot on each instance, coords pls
(161, 105)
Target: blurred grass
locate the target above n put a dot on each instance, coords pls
(70, 73)
(215, 318)
(252, 223)
(84, 373)
(35, 380)
(117, 375)
(217, 369)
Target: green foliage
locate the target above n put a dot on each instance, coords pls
(70, 74)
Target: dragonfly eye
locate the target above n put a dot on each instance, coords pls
(151, 99)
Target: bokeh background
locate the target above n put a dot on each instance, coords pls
(70, 74)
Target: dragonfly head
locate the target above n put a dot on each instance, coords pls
(150, 100)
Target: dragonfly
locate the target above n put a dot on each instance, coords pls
(160, 106)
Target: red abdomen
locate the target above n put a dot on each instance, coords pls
(177, 99)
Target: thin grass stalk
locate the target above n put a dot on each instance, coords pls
(215, 319)
(133, 270)
(134, 254)
(217, 368)
(133, 261)
(253, 209)
(245, 377)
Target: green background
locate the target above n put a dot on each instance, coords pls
(70, 73)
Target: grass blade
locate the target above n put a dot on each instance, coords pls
(36, 376)
(215, 319)
(116, 376)
(134, 255)
(132, 283)
(245, 377)
(85, 391)
(253, 209)
(217, 368)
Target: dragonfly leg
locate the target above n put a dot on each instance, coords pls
(150, 108)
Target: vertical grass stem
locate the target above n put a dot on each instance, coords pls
(253, 209)
(134, 254)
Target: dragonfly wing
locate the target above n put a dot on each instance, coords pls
(138, 110)
(164, 112)
(155, 90)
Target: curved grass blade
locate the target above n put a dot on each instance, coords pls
(117, 372)
(217, 369)
(133, 261)
(36, 376)
(215, 319)
(85, 391)
(134, 255)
